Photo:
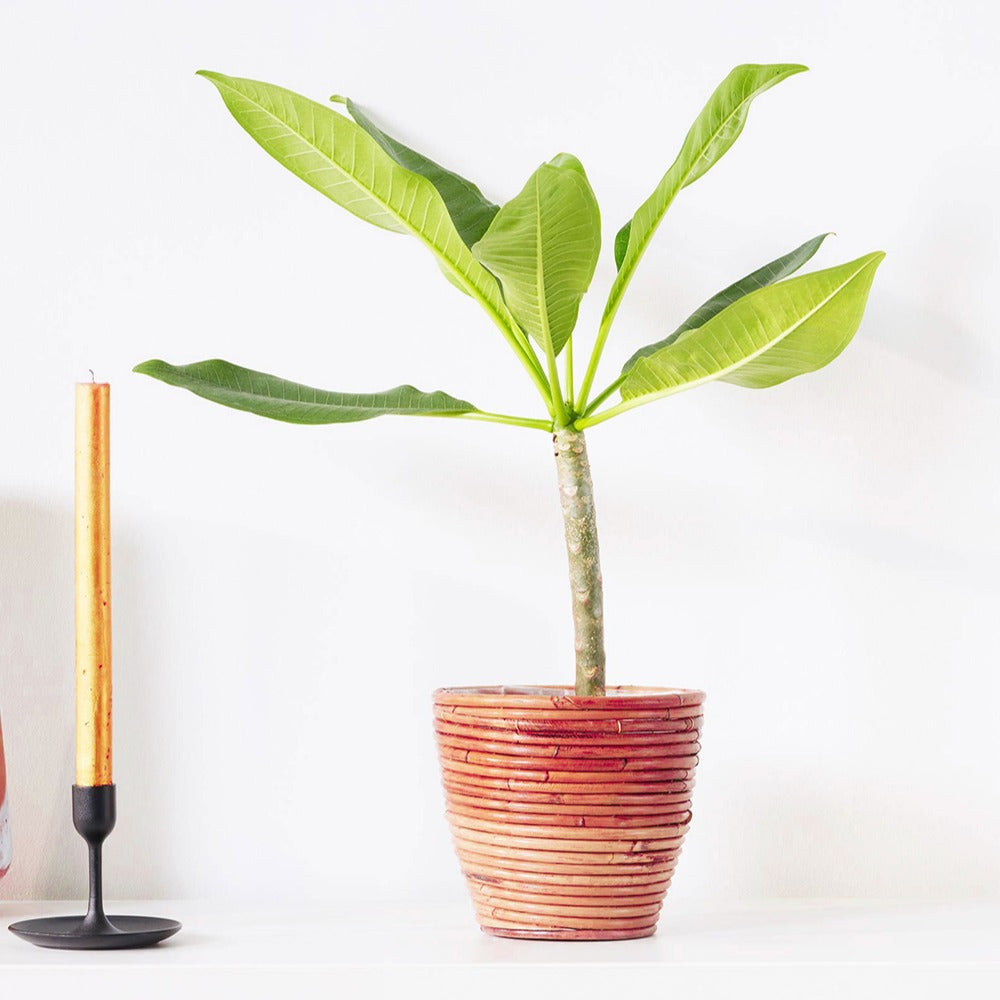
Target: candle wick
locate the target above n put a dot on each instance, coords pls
(92, 378)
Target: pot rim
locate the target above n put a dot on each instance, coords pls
(561, 696)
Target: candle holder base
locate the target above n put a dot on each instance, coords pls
(94, 818)
(117, 932)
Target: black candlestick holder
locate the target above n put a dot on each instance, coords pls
(94, 819)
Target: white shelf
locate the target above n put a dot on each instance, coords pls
(773, 948)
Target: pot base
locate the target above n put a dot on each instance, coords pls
(544, 934)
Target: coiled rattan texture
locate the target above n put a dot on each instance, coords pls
(568, 813)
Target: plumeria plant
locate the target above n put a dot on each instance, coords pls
(528, 264)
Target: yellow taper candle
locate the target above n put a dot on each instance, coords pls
(93, 585)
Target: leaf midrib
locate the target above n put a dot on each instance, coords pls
(540, 278)
(224, 385)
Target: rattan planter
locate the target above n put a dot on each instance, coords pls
(568, 813)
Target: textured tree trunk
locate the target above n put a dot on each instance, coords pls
(576, 494)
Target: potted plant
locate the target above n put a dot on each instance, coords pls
(568, 806)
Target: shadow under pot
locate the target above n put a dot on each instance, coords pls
(568, 813)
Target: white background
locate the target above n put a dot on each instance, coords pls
(821, 558)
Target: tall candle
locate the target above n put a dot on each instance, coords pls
(93, 585)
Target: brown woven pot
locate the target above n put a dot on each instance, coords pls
(568, 813)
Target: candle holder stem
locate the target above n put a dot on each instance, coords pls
(94, 813)
(95, 904)
(94, 818)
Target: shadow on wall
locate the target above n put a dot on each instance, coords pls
(955, 249)
(37, 694)
(36, 691)
(866, 839)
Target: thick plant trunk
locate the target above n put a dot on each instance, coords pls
(576, 494)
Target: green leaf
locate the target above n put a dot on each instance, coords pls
(621, 243)
(269, 396)
(774, 271)
(543, 247)
(341, 160)
(764, 338)
(713, 132)
(469, 209)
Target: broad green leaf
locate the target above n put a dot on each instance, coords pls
(469, 209)
(269, 396)
(764, 338)
(341, 160)
(543, 247)
(774, 271)
(713, 132)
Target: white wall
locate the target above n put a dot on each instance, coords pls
(822, 557)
